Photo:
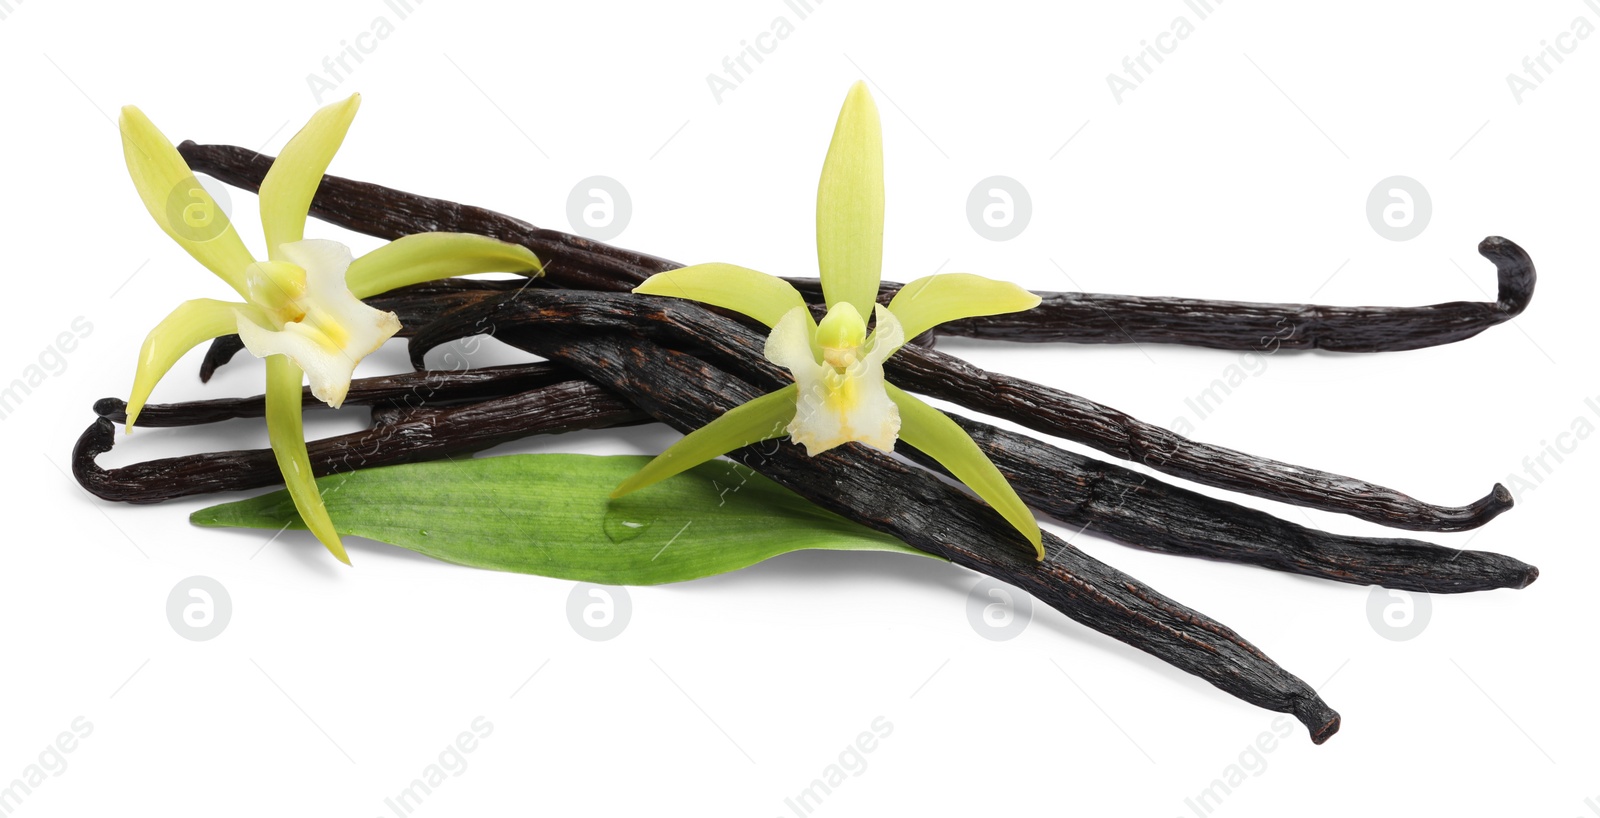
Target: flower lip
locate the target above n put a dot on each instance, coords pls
(321, 326)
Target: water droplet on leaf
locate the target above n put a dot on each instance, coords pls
(620, 528)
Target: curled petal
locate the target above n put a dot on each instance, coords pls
(292, 181)
(850, 205)
(932, 300)
(191, 324)
(430, 256)
(763, 297)
(791, 343)
(334, 330)
(287, 435)
(181, 207)
(933, 432)
(761, 419)
(888, 334)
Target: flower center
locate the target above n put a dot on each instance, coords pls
(841, 335)
(279, 288)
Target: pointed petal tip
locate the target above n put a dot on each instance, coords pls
(337, 549)
(351, 103)
(860, 98)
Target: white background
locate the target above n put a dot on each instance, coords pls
(1238, 169)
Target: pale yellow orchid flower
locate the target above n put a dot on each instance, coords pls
(839, 394)
(301, 309)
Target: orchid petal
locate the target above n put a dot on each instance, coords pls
(287, 434)
(292, 181)
(937, 436)
(765, 298)
(181, 207)
(191, 324)
(335, 331)
(761, 419)
(791, 342)
(932, 300)
(888, 334)
(850, 205)
(430, 256)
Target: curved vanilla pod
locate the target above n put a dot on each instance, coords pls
(400, 436)
(1135, 509)
(409, 389)
(389, 213)
(1083, 318)
(1041, 408)
(1131, 508)
(1063, 414)
(581, 263)
(1120, 503)
(878, 491)
(1143, 512)
(1095, 318)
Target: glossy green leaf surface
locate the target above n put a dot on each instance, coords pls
(549, 514)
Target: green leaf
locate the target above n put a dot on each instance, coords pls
(549, 514)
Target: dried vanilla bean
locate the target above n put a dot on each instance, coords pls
(1070, 487)
(876, 490)
(1146, 513)
(415, 389)
(1094, 318)
(1115, 502)
(411, 435)
(1068, 317)
(1044, 409)
(570, 261)
(389, 213)
(1057, 412)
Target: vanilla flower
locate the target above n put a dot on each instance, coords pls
(839, 394)
(301, 309)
